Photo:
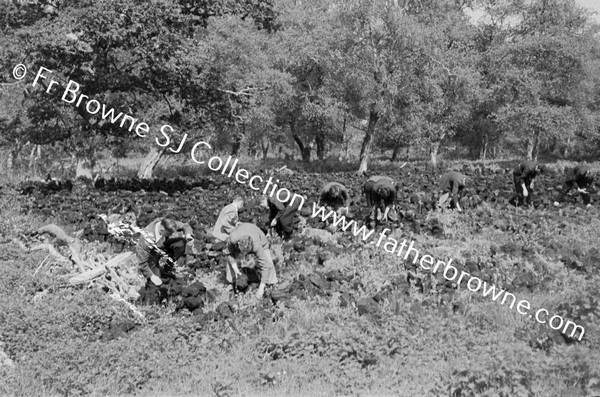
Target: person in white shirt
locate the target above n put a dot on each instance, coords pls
(228, 219)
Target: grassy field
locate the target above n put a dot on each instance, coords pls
(412, 343)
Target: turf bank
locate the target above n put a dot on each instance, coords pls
(243, 176)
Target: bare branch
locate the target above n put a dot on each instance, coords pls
(446, 68)
(244, 91)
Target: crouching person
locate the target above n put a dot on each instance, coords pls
(523, 176)
(163, 237)
(381, 193)
(247, 238)
(452, 185)
(281, 215)
(582, 179)
(335, 195)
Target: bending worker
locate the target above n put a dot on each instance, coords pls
(381, 193)
(281, 215)
(523, 177)
(335, 195)
(582, 179)
(163, 236)
(452, 185)
(245, 239)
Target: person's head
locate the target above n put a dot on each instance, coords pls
(334, 191)
(238, 201)
(245, 245)
(168, 226)
(384, 192)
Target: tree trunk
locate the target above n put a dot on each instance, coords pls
(147, 167)
(397, 148)
(237, 143)
(34, 156)
(365, 149)
(83, 169)
(484, 148)
(320, 142)
(343, 155)
(265, 147)
(530, 148)
(566, 148)
(304, 150)
(433, 153)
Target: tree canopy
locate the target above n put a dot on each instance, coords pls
(488, 76)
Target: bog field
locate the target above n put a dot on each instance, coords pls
(346, 319)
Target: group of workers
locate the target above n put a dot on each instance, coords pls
(168, 237)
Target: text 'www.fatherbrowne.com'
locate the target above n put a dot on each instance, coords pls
(473, 283)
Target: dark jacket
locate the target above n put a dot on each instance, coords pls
(373, 184)
(452, 182)
(148, 258)
(283, 212)
(525, 173)
(326, 199)
(579, 177)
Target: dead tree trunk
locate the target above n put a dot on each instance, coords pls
(146, 170)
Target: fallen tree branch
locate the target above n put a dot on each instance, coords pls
(40, 266)
(87, 276)
(56, 232)
(50, 248)
(98, 271)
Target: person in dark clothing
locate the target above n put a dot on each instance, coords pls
(523, 177)
(281, 215)
(581, 178)
(381, 193)
(335, 195)
(452, 185)
(163, 237)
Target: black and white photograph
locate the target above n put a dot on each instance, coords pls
(314, 198)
